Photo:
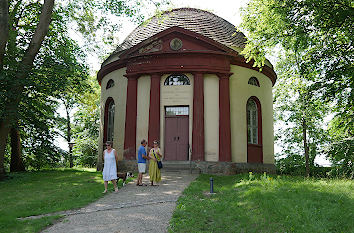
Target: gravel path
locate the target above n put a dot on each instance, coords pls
(132, 209)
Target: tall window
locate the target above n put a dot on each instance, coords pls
(252, 122)
(176, 80)
(253, 81)
(110, 121)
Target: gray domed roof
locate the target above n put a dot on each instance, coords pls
(199, 21)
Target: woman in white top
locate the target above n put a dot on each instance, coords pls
(110, 159)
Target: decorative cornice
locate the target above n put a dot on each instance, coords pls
(156, 62)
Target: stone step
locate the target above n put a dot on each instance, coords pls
(178, 166)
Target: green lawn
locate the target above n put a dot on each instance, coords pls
(35, 193)
(248, 203)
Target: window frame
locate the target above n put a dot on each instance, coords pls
(167, 81)
(252, 122)
(110, 84)
(109, 115)
(253, 81)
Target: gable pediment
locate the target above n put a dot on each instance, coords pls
(176, 40)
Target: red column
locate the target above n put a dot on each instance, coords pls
(154, 111)
(198, 118)
(130, 118)
(224, 119)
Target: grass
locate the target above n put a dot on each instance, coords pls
(249, 203)
(48, 191)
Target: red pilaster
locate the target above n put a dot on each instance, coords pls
(154, 111)
(198, 118)
(224, 119)
(130, 118)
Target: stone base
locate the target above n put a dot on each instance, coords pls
(229, 168)
(225, 168)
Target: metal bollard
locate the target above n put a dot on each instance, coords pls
(211, 185)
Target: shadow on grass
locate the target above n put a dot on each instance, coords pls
(265, 204)
(35, 193)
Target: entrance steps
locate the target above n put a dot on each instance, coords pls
(180, 166)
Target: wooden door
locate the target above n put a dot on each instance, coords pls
(170, 138)
(176, 138)
(182, 138)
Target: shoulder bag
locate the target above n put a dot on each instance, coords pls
(159, 163)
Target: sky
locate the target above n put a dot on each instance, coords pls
(227, 9)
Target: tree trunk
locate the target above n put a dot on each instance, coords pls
(4, 132)
(304, 127)
(68, 122)
(16, 163)
(4, 28)
(11, 106)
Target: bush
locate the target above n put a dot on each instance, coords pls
(295, 165)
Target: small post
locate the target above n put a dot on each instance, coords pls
(211, 185)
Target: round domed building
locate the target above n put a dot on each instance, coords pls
(179, 78)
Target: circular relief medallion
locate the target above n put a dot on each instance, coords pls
(176, 44)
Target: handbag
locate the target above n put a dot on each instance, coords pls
(159, 163)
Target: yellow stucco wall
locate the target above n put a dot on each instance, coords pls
(143, 106)
(240, 92)
(118, 92)
(175, 96)
(211, 117)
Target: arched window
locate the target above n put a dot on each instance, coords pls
(176, 80)
(252, 122)
(253, 81)
(109, 120)
(254, 131)
(110, 84)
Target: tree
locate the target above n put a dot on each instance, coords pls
(57, 62)
(320, 33)
(301, 114)
(86, 128)
(24, 26)
(341, 149)
(70, 99)
(15, 88)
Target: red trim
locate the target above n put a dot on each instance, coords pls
(154, 111)
(179, 63)
(108, 101)
(212, 58)
(130, 118)
(224, 119)
(267, 71)
(177, 116)
(255, 151)
(198, 118)
(178, 32)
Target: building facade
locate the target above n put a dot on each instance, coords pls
(179, 79)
